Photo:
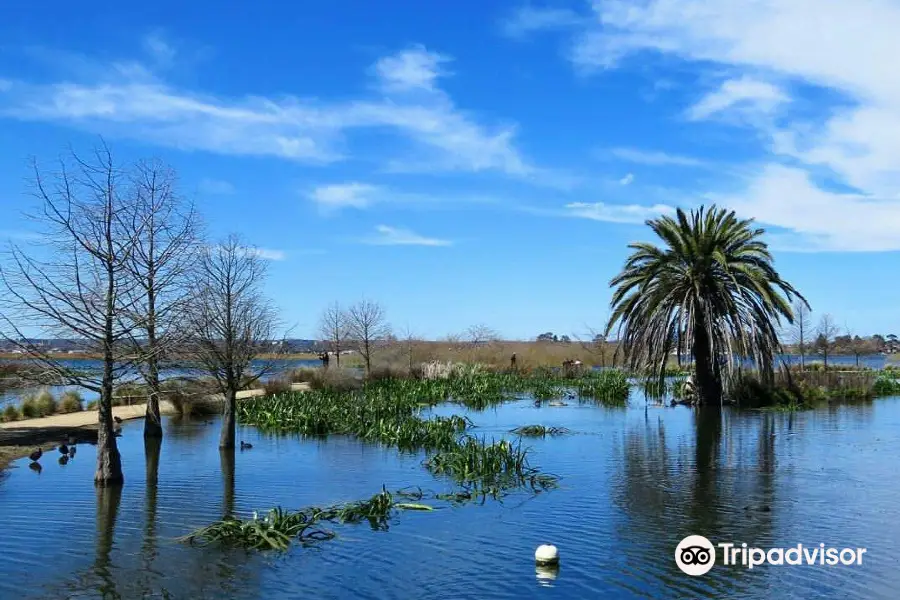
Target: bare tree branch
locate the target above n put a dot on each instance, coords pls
(230, 322)
(368, 328)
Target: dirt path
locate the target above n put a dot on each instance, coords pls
(20, 438)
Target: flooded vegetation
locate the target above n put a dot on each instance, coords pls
(633, 481)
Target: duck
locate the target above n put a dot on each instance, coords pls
(245, 445)
(118, 420)
(36, 455)
(537, 403)
(72, 450)
(63, 449)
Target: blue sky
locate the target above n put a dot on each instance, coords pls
(482, 162)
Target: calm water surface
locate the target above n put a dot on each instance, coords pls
(634, 482)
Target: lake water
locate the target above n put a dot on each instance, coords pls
(635, 481)
(15, 396)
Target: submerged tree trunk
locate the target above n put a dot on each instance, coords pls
(109, 463)
(226, 439)
(709, 386)
(152, 420)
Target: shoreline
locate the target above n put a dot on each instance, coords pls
(19, 438)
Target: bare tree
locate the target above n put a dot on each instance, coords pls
(801, 329)
(409, 339)
(826, 333)
(481, 334)
(367, 327)
(161, 265)
(594, 342)
(77, 285)
(333, 328)
(231, 321)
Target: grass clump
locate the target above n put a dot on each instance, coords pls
(11, 413)
(278, 528)
(70, 402)
(539, 431)
(92, 405)
(46, 403)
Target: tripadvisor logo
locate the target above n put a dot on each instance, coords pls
(695, 555)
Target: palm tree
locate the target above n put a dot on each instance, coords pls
(711, 289)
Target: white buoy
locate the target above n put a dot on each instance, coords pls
(546, 555)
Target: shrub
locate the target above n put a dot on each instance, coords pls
(46, 403)
(10, 413)
(92, 405)
(70, 402)
(331, 378)
(30, 408)
(276, 386)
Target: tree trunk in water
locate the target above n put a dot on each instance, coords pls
(709, 387)
(152, 420)
(226, 439)
(226, 461)
(109, 462)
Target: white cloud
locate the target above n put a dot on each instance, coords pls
(215, 187)
(344, 195)
(747, 94)
(412, 69)
(528, 19)
(159, 49)
(617, 213)
(653, 158)
(5, 85)
(395, 236)
(132, 103)
(821, 220)
(627, 180)
(843, 118)
(269, 254)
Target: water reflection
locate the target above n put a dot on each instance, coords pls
(635, 482)
(226, 463)
(108, 500)
(546, 575)
(152, 451)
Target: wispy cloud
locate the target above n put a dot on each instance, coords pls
(396, 236)
(530, 19)
(412, 69)
(215, 187)
(344, 195)
(655, 158)
(616, 213)
(627, 180)
(136, 104)
(269, 254)
(160, 50)
(851, 131)
(749, 95)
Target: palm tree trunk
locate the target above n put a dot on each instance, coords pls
(709, 386)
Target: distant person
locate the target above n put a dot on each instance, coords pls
(512, 362)
(323, 356)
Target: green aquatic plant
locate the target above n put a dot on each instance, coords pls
(278, 528)
(539, 431)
